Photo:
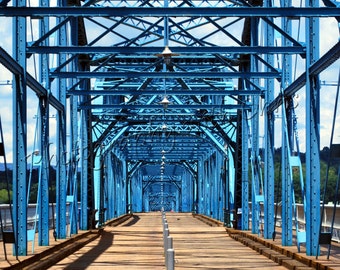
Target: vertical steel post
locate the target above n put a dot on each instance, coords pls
(125, 186)
(227, 189)
(269, 140)
(96, 182)
(61, 173)
(200, 202)
(221, 186)
(287, 200)
(110, 186)
(103, 194)
(74, 152)
(287, 213)
(61, 141)
(312, 137)
(20, 135)
(216, 178)
(231, 174)
(195, 188)
(129, 189)
(207, 186)
(84, 176)
(43, 200)
(44, 211)
(245, 184)
(85, 144)
(119, 183)
(212, 176)
(255, 118)
(73, 165)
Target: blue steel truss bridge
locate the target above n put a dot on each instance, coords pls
(141, 105)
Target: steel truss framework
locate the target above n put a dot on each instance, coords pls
(159, 103)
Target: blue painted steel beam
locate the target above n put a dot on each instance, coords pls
(85, 177)
(43, 199)
(287, 189)
(187, 118)
(312, 113)
(166, 75)
(74, 137)
(113, 139)
(154, 106)
(257, 187)
(171, 11)
(254, 131)
(175, 49)
(269, 143)
(179, 148)
(19, 135)
(314, 69)
(140, 122)
(245, 181)
(216, 92)
(174, 152)
(97, 187)
(61, 177)
(14, 67)
(108, 188)
(169, 161)
(44, 206)
(174, 156)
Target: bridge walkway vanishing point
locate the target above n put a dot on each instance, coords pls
(137, 243)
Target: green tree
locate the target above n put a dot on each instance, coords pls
(4, 196)
(330, 191)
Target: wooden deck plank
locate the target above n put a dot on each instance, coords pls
(140, 246)
(137, 244)
(200, 246)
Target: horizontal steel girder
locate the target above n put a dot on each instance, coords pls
(187, 117)
(178, 49)
(168, 12)
(143, 121)
(159, 106)
(179, 153)
(215, 92)
(158, 161)
(166, 75)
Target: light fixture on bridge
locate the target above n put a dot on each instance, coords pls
(165, 102)
(167, 54)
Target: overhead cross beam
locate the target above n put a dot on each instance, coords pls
(170, 11)
(166, 75)
(152, 50)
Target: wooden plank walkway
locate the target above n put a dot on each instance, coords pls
(137, 243)
(134, 244)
